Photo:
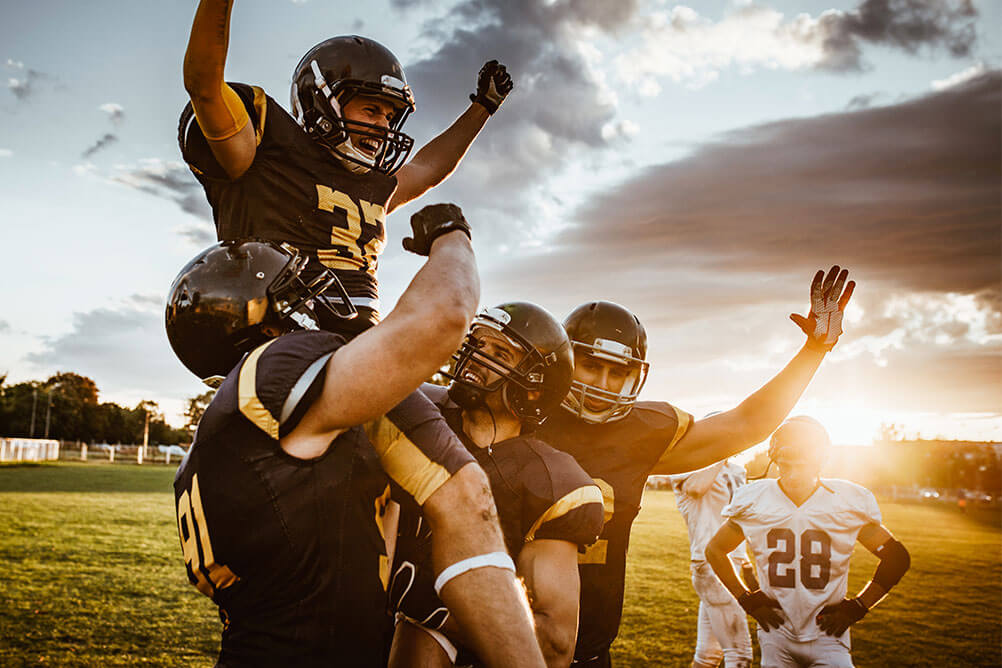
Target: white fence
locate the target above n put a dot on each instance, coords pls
(28, 449)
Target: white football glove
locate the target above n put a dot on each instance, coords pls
(823, 325)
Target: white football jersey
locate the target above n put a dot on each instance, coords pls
(702, 514)
(802, 553)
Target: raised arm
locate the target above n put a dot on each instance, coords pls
(724, 434)
(219, 111)
(894, 563)
(439, 158)
(550, 571)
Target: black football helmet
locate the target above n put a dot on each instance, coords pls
(235, 295)
(545, 367)
(607, 332)
(333, 72)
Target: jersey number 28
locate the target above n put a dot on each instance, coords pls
(815, 558)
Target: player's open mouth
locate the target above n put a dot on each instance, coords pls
(369, 145)
(471, 376)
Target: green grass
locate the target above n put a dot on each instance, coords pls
(947, 611)
(92, 576)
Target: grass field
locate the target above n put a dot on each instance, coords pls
(92, 576)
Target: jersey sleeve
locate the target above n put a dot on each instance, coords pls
(740, 509)
(416, 447)
(667, 425)
(865, 506)
(195, 148)
(562, 502)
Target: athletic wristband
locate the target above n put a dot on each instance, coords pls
(496, 559)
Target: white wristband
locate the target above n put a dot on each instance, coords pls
(496, 559)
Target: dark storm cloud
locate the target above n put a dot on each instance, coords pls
(905, 24)
(907, 195)
(100, 144)
(557, 106)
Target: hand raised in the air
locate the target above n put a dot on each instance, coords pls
(823, 325)
(493, 85)
(431, 222)
(836, 619)
(764, 608)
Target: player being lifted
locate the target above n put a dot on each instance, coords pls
(325, 177)
(620, 441)
(722, 629)
(280, 498)
(513, 369)
(802, 530)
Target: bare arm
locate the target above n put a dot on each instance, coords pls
(550, 571)
(484, 600)
(380, 367)
(700, 482)
(438, 158)
(728, 537)
(724, 434)
(220, 113)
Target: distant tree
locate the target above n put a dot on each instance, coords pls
(196, 408)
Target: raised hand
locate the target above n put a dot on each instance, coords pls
(431, 222)
(493, 85)
(823, 325)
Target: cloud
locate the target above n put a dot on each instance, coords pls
(22, 84)
(116, 114)
(905, 194)
(6, 153)
(561, 102)
(682, 45)
(963, 76)
(123, 348)
(4, 326)
(106, 140)
(862, 101)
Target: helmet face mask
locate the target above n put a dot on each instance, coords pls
(236, 295)
(518, 350)
(609, 343)
(333, 73)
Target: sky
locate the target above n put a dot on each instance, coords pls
(695, 163)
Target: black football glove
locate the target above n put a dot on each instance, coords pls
(493, 85)
(432, 222)
(835, 619)
(823, 325)
(763, 608)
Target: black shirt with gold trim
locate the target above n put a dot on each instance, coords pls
(618, 455)
(292, 550)
(297, 192)
(540, 493)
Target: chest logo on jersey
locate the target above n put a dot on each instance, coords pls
(353, 246)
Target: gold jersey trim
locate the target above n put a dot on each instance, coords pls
(568, 502)
(684, 423)
(247, 400)
(405, 462)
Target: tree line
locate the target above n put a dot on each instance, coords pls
(65, 406)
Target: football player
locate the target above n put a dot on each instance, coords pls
(722, 629)
(280, 499)
(620, 441)
(513, 369)
(325, 177)
(802, 530)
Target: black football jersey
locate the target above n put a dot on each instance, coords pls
(618, 455)
(538, 491)
(292, 550)
(295, 191)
